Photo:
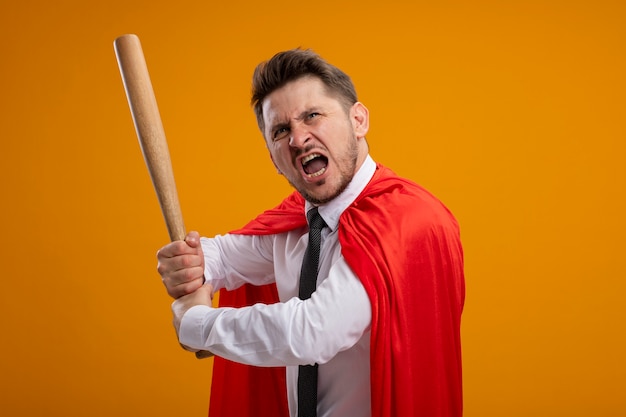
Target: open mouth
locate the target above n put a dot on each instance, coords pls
(314, 165)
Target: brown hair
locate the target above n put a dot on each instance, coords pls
(294, 64)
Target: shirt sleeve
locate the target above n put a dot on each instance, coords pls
(295, 332)
(233, 260)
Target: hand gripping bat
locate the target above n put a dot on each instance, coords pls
(147, 120)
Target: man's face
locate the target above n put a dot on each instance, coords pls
(313, 140)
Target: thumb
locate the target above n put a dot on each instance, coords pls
(193, 239)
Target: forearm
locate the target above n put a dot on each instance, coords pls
(233, 260)
(290, 333)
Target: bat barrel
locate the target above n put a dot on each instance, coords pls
(147, 120)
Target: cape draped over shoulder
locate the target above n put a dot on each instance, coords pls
(404, 246)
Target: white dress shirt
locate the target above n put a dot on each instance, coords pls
(332, 328)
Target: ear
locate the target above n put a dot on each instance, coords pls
(360, 118)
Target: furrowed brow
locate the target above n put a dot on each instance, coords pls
(280, 125)
(308, 111)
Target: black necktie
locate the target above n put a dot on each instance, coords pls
(307, 374)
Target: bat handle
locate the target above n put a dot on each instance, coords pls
(203, 354)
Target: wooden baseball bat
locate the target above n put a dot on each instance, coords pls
(147, 120)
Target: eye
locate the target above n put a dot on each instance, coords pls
(281, 133)
(313, 115)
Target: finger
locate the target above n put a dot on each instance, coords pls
(175, 248)
(185, 288)
(182, 276)
(180, 268)
(193, 239)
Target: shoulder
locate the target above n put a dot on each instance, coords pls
(394, 198)
(288, 215)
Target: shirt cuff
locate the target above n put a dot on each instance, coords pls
(195, 327)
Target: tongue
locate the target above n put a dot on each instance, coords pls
(315, 165)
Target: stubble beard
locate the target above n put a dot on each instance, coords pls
(347, 168)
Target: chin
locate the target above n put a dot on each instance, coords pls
(323, 196)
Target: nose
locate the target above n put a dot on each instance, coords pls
(300, 135)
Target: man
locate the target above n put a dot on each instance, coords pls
(380, 334)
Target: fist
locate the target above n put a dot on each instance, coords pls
(181, 265)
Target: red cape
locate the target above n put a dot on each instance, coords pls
(404, 245)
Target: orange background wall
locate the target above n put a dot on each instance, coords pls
(511, 112)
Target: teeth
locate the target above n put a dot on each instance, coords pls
(306, 159)
(317, 174)
(310, 157)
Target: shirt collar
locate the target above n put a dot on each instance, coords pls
(332, 210)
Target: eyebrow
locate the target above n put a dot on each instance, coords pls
(301, 116)
(278, 126)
